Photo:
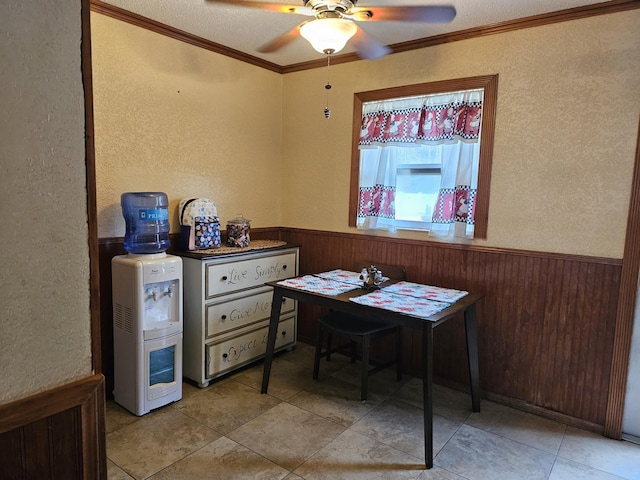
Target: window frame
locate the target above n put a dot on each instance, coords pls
(490, 85)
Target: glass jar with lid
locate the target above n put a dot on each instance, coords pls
(238, 231)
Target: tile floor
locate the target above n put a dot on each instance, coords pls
(311, 430)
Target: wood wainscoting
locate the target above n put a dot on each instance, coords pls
(59, 433)
(546, 323)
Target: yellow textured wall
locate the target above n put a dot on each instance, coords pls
(45, 336)
(566, 131)
(179, 119)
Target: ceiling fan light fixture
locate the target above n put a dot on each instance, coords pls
(328, 35)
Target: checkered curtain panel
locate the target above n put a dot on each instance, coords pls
(447, 122)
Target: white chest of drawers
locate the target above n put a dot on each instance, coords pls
(227, 308)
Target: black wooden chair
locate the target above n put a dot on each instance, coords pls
(360, 330)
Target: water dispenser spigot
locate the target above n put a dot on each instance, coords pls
(170, 291)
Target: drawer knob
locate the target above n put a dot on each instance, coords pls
(224, 355)
(284, 267)
(224, 317)
(224, 278)
(284, 334)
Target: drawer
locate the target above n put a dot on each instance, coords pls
(223, 278)
(242, 349)
(228, 315)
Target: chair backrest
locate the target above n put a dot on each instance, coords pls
(391, 271)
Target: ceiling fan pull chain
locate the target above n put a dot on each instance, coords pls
(327, 112)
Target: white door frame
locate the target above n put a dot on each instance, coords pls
(631, 415)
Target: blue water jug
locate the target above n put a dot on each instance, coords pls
(146, 215)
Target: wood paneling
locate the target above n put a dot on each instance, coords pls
(546, 324)
(59, 433)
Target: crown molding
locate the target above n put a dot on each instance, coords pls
(604, 8)
(177, 34)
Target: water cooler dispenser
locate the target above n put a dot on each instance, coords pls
(147, 309)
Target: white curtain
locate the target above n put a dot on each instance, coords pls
(392, 133)
(376, 208)
(453, 215)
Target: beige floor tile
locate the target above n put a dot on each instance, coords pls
(383, 383)
(226, 405)
(189, 389)
(337, 363)
(437, 473)
(336, 400)
(567, 470)
(519, 426)
(400, 425)
(354, 456)
(322, 430)
(448, 403)
(114, 472)
(118, 416)
(286, 435)
(156, 440)
(612, 456)
(221, 460)
(479, 455)
(302, 354)
(411, 392)
(286, 378)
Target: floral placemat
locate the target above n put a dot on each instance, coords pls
(427, 292)
(409, 305)
(315, 284)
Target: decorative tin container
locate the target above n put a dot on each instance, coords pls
(238, 232)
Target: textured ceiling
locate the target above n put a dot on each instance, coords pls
(246, 29)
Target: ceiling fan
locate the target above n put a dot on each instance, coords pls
(334, 23)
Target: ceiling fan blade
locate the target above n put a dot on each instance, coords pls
(430, 13)
(270, 7)
(281, 41)
(368, 47)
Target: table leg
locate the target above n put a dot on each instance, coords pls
(427, 391)
(276, 306)
(471, 328)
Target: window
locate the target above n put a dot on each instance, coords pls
(399, 186)
(417, 182)
(417, 188)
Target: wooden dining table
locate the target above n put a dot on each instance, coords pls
(344, 302)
